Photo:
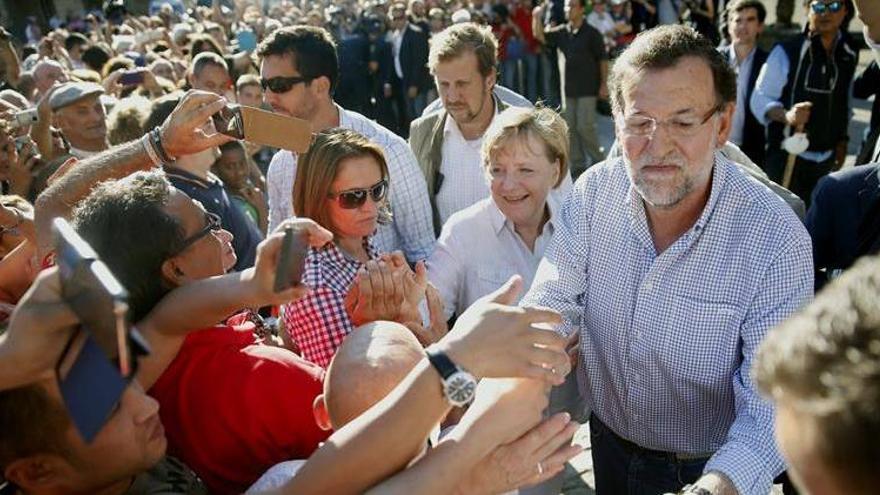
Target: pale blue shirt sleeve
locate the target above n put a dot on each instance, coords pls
(561, 278)
(768, 88)
(410, 203)
(749, 456)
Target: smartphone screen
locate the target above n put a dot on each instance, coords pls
(292, 261)
(94, 294)
(131, 78)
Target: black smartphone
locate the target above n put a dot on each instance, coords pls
(229, 121)
(292, 261)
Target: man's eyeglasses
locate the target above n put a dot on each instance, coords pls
(820, 8)
(281, 84)
(677, 127)
(355, 198)
(212, 224)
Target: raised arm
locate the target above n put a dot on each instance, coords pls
(209, 301)
(181, 134)
(489, 340)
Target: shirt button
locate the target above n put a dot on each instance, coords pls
(648, 286)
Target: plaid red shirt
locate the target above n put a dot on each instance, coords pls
(319, 322)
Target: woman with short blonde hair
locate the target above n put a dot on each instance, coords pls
(525, 155)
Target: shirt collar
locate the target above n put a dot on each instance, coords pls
(450, 125)
(179, 173)
(639, 220)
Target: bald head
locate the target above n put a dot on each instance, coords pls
(46, 73)
(370, 363)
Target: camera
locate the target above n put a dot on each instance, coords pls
(24, 118)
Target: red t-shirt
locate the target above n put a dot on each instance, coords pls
(233, 408)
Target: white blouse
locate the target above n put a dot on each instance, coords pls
(479, 250)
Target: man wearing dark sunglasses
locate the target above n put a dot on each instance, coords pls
(805, 84)
(299, 72)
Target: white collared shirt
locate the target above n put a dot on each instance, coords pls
(479, 250)
(396, 40)
(464, 181)
(411, 231)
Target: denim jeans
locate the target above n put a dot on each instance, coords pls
(621, 470)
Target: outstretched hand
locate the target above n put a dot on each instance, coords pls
(494, 339)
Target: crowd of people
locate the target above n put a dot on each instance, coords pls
(480, 277)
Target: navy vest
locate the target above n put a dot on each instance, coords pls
(825, 81)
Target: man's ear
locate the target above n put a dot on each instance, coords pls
(319, 411)
(189, 78)
(37, 473)
(725, 124)
(172, 273)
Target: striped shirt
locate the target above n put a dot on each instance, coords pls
(667, 341)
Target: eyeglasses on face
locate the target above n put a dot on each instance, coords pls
(355, 198)
(212, 224)
(281, 84)
(677, 127)
(830, 7)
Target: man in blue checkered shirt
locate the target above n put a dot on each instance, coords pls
(672, 265)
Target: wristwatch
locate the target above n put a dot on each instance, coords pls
(458, 385)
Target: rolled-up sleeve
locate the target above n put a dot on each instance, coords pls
(768, 88)
(561, 278)
(749, 456)
(446, 271)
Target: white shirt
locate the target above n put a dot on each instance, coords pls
(464, 181)
(479, 250)
(412, 230)
(396, 39)
(603, 23)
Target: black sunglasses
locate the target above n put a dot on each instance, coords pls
(822, 7)
(212, 224)
(355, 198)
(281, 84)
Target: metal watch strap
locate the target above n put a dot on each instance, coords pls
(442, 363)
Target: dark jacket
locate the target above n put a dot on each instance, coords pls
(754, 137)
(811, 67)
(844, 219)
(414, 58)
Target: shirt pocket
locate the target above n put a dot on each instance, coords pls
(701, 342)
(489, 279)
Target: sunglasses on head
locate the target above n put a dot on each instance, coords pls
(281, 84)
(355, 198)
(830, 7)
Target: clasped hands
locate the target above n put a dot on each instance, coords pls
(388, 289)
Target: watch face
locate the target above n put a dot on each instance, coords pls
(460, 388)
